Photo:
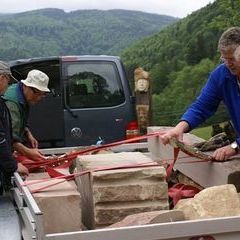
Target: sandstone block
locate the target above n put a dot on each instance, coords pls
(61, 206)
(110, 195)
(160, 152)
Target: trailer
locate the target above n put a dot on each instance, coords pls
(31, 220)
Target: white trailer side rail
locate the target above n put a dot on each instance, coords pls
(227, 228)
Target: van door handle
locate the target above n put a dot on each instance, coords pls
(118, 119)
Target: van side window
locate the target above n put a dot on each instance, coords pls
(91, 85)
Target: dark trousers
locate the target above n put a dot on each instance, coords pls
(5, 183)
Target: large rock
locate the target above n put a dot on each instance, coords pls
(150, 218)
(110, 195)
(218, 201)
(60, 205)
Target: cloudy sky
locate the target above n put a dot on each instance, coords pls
(176, 8)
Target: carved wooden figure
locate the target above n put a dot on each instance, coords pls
(143, 98)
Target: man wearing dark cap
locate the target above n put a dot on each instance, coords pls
(8, 164)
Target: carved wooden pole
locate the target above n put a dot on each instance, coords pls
(143, 99)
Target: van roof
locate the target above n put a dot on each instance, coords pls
(63, 59)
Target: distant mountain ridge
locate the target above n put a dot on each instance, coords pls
(54, 32)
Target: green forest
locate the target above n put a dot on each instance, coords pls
(53, 32)
(178, 53)
(180, 58)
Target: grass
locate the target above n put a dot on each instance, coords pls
(204, 132)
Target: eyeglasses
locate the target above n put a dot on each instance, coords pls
(37, 92)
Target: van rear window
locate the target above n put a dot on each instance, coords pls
(91, 85)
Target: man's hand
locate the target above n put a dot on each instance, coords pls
(223, 153)
(22, 170)
(176, 132)
(32, 153)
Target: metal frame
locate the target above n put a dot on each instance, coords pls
(227, 228)
(124, 147)
(31, 217)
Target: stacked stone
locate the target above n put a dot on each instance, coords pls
(110, 195)
(60, 204)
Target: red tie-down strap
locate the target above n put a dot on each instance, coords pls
(180, 190)
(57, 175)
(66, 159)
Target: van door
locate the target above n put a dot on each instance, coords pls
(46, 119)
(96, 102)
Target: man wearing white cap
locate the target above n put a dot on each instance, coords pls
(8, 165)
(18, 98)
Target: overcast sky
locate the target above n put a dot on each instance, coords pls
(176, 8)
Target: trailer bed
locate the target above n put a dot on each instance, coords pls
(227, 228)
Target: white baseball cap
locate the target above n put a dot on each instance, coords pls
(38, 80)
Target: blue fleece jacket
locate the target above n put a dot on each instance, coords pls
(221, 86)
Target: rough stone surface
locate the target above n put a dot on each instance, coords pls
(205, 174)
(106, 214)
(110, 195)
(218, 201)
(132, 191)
(150, 218)
(61, 206)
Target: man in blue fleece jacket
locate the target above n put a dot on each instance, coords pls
(222, 85)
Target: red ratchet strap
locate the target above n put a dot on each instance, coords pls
(66, 159)
(180, 190)
(72, 176)
(170, 166)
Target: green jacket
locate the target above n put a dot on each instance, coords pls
(19, 110)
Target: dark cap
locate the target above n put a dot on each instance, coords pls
(5, 69)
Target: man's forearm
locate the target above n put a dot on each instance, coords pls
(183, 126)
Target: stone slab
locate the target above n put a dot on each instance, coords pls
(150, 218)
(61, 206)
(107, 214)
(110, 195)
(206, 174)
(160, 152)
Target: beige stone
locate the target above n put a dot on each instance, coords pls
(35, 176)
(205, 174)
(106, 214)
(130, 191)
(218, 201)
(110, 195)
(150, 218)
(61, 206)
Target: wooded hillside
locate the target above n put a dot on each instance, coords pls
(181, 56)
(49, 32)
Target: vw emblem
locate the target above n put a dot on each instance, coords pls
(76, 132)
